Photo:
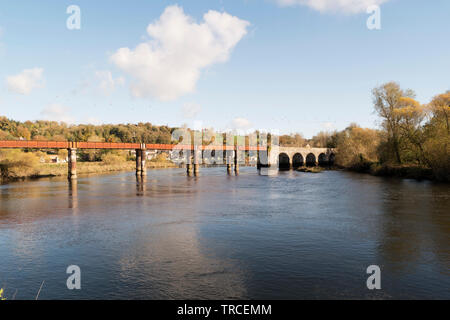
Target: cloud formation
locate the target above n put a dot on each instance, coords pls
(24, 82)
(342, 6)
(170, 64)
(241, 124)
(57, 112)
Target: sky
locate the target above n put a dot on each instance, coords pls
(282, 65)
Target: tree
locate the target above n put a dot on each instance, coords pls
(386, 99)
(410, 115)
(436, 131)
(292, 140)
(440, 108)
(356, 146)
(322, 140)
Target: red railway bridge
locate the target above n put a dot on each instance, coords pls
(192, 154)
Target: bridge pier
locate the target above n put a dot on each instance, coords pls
(72, 165)
(141, 155)
(138, 162)
(229, 161)
(196, 161)
(236, 161)
(258, 162)
(143, 162)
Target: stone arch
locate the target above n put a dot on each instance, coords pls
(323, 160)
(284, 162)
(310, 160)
(297, 160)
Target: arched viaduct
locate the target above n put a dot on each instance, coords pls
(288, 158)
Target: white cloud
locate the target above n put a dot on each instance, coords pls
(107, 84)
(241, 124)
(190, 110)
(26, 81)
(170, 64)
(57, 112)
(343, 6)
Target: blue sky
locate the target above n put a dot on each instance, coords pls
(289, 65)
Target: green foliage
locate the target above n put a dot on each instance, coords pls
(59, 131)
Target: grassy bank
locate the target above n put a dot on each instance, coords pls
(18, 164)
(12, 173)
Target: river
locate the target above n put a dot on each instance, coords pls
(291, 236)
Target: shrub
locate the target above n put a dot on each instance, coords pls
(112, 158)
(17, 164)
(162, 157)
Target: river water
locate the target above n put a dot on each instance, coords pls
(294, 235)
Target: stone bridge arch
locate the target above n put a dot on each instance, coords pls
(299, 157)
(284, 161)
(298, 160)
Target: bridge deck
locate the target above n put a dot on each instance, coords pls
(31, 144)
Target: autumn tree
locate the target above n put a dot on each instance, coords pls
(356, 146)
(386, 99)
(410, 115)
(440, 109)
(436, 131)
(292, 140)
(323, 139)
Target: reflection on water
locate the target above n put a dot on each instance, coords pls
(294, 235)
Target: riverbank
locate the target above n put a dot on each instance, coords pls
(55, 170)
(406, 171)
(383, 170)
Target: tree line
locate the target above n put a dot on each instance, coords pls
(60, 131)
(411, 135)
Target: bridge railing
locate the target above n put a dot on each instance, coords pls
(35, 144)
